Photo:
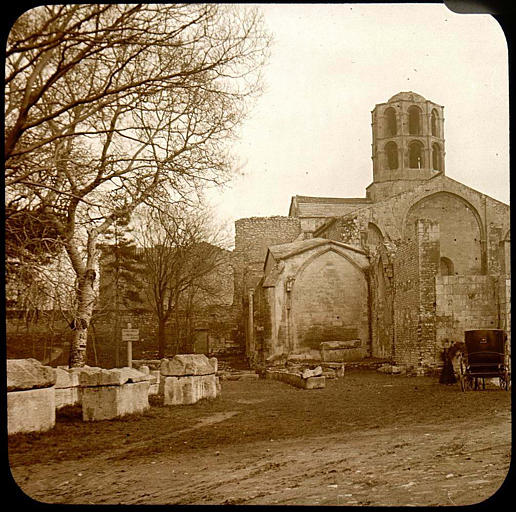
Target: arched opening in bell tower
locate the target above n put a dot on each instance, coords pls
(436, 157)
(414, 114)
(391, 150)
(391, 128)
(416, 155)
(434, 123)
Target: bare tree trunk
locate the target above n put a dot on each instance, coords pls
(85, 302)
(161, 338)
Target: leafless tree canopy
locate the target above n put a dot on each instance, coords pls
(182, 266)
(112, 106)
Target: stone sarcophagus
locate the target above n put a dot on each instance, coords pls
(67, 387)
(108, 394)
(340, 350)
(187, 378)
(31, 400)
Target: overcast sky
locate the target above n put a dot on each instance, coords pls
(310, 131)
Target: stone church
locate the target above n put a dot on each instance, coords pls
(391, 275)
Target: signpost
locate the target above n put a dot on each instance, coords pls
(129, 335)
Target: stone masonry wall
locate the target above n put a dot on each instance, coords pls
(504, 299)
(415, 266)
(465, 302)
(253, 236)
(406, 297)
(428, 256)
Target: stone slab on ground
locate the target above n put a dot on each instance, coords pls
(189, 390)
(239, 376)
(31, 410)
(295, 379)
(23, 374)
(186, 365)
(108, 402)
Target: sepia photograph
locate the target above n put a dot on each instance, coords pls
(257, 254)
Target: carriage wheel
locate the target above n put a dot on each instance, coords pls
(505, 380)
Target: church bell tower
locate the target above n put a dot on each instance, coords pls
(408, 144)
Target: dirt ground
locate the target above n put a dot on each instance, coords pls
(366, 439)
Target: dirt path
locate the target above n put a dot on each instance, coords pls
(423, 466)
(449, 463)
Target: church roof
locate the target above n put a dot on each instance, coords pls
(308, 206)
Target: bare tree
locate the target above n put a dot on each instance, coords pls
(112, 106)
(180, 261)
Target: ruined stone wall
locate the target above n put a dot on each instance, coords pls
(253, 236)
(344, 229)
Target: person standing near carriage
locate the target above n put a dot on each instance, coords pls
(447, 372)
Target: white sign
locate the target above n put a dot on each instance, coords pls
(130, 334)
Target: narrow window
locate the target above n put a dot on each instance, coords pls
(391, 149)
(416, 155)
(391, 126)
(414, 120)
(434, 121)
(436, 157)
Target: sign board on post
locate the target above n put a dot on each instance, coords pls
(130, 334)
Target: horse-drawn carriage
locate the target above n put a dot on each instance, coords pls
(485, 357)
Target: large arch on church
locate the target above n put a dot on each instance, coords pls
(330, 303)
(460, 230)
